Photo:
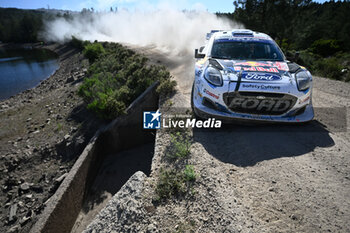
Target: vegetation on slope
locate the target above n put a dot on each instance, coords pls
(117, 76)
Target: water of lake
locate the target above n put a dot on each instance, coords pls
(22, 69)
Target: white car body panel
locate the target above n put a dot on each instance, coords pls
(265, 87)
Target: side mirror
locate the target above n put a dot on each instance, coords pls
(201, 49)
(198, 55)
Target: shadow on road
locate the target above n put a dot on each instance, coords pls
(249, 144)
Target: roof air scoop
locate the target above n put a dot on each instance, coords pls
(245, 33)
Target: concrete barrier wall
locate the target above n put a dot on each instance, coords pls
(123, 133)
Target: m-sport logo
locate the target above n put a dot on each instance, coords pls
(261, 77)
(151, 120)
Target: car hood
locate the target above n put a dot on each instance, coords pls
(256, 71)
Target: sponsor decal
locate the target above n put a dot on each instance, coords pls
(256, 68)
(304, 100)
(252, 63)
(202, 61)
(260, 97)
(261, 77)
(151, 120)
(210, 94)
(281, 66)
(261, 87)
(199, 92)
(272, 69)
(261, 105)
(277, 65)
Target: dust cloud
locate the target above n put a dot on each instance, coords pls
(165, 34)
(168, 29)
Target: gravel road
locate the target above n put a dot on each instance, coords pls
(264, 178)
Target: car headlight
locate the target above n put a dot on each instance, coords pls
(213, 76)
(303, 79)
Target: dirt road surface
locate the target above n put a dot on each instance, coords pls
(265, 178)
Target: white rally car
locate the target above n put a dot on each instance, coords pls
(241, 74)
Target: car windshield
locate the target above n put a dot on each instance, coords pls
(243, 50)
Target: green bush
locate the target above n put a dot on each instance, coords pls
(190, 174)
(172, 182)
(329, 68)
(180, 146)
(116, 77)
(308, 59)
(325, 47)
(77, 43)
(166, 87)
(93, 51)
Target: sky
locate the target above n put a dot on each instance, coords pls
(102, 5)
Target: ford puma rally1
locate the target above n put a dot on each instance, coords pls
(241, 74)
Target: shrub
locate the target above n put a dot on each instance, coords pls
(180, 146)
(166, 87)
(76, 43)
(118, 78)
(190, 174)
(308, 59)
(325, 47)
(93, 51)
(170, 183)
(329, 68)
(173, 183)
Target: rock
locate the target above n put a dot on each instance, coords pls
(151, 228)
(79, 143)
(24, 220)
(13, 213)
(294, 217)
(14, 229)
(124, 209)
(66, 137)
(20, 204)
(29, 213)
(24, 187)
(61, 178)
(70, 79)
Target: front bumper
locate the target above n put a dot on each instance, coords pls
(205, 112)
(207, 107)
